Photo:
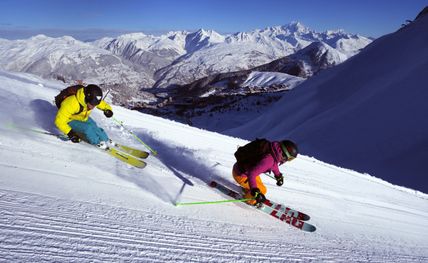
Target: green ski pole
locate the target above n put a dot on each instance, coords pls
(215, 202)
(270, 176)
(136, 137)
(60, 136)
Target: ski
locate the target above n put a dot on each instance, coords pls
(275, 206)
(285, 214)
(291, 220)
(287, 210)
(132, 151)
(126, 154)
(127, 158)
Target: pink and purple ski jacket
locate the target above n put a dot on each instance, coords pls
(269, 163)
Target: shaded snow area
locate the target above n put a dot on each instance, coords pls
(65, 202)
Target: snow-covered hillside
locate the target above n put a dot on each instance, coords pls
(68, 59)
(263, 79)
(307, 61)
(153, 53)
(63, 202)
(368, 114)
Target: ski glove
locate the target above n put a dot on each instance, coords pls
(108, 113)
(73, 136)
(260, 198)
(279, 179)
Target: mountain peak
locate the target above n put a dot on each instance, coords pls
(203, 37)
(296, 27)
(133, 36)
(202, 31)
(39, 37)
(336, 32)
(208, 33)
(293, 28)
(422, 13)
(69, 39)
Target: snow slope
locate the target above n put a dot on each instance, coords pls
(63, 202)
(368, 114)
(263, 79)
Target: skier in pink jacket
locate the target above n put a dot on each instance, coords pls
(269, 157)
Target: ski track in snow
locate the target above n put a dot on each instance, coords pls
(38, 228)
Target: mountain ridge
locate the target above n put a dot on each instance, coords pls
(131, 64)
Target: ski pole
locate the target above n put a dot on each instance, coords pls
(270, 176)
(215, 202)
(136, 137)
(108, 91)
(62, 137)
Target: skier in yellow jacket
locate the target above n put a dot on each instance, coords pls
(73, 114)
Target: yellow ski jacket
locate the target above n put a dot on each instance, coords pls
(70, 108)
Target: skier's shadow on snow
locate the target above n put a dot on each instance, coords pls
(181, 161)
(44, 114)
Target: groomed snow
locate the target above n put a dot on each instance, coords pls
(63, 202)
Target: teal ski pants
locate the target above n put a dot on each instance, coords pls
(89, 131)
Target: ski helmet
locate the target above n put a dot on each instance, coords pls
(93, 94)
(289, 149)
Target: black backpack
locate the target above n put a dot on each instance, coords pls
(67, 92)
(251, 153)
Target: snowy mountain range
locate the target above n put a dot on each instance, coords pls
(150, 52)
(130, 65)
(368, 113)
(204, 53)
(209, 102)
(66, 202)
(69, 60)
(302, 64)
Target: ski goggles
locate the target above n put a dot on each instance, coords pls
(286, 153)
(93, 100)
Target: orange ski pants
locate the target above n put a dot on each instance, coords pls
(243, 182)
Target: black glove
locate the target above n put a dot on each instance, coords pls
(279, 180)
(108, 113)
(260, 198)
(73, 136)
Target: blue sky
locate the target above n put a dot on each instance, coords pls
(90, 19)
